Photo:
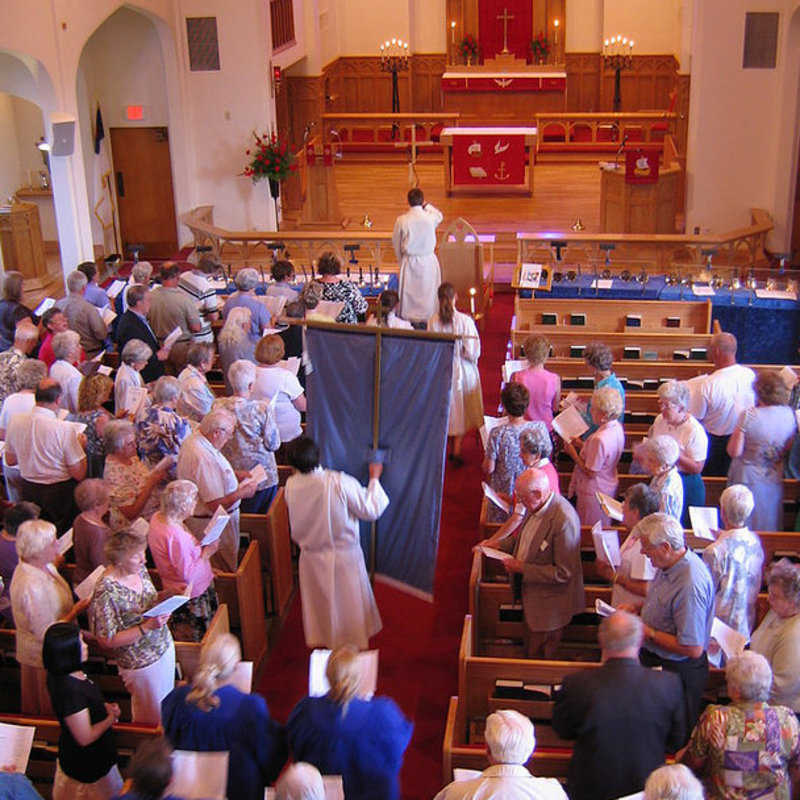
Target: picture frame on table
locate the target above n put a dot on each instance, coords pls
(532, 275)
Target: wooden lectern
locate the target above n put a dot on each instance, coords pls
(320, 196)
(22, 245)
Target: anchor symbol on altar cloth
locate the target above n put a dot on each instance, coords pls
(501, 174)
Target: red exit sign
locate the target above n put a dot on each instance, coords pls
(134, 113)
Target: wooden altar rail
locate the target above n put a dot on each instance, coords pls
(361, 132)
(743, 245)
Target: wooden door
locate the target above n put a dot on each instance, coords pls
(143, 174)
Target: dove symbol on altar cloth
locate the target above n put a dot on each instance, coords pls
(500, 147)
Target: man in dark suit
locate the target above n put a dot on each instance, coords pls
(133, 324)
(623, 716)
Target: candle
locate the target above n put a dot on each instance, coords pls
(472, 292)
(453, 32)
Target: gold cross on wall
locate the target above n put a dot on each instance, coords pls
(505, 16)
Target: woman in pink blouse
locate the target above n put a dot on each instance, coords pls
(543, 386)
(182, 563)
(596, 459)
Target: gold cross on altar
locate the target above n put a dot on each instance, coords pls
(505, 16)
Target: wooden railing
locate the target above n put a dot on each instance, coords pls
(385, 131)
(281, 15)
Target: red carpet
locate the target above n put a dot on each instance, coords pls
(419, 641)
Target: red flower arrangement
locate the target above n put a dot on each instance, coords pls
(540, 47)
(269, 158)
(468, 48)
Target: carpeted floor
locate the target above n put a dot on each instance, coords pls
(419, 641)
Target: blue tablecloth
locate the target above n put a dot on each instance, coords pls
(768, 330)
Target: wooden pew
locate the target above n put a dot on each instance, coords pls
(187, 654)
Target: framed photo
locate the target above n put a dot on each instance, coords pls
(529, 275)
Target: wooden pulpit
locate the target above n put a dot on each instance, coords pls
(22, 245)
(320, 195)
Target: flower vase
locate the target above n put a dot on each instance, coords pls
(469, 61)
(275, 193)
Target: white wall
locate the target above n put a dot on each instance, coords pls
(29, 125)
(364, 24)
(584, 26)
(428, 31)
(10, 172)
(654, 26)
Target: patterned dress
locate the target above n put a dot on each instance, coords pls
(345, 292)
(125, 481)
(161, 433)
(670, 491)
(95, 448)
(503, 449)
(748, 750)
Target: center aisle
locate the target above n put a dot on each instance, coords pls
(419, 641)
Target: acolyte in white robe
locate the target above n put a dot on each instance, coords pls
(414, 241)
(324, 509)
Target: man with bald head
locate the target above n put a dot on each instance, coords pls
(623, 716)
(547, 556)
(718, 400)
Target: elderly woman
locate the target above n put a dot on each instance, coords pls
(544, 387)
(234, 341)
(133, 486)
(673, 782)
(596, 459)
(87, 755)
(600, 359)
(255, 437)
(141, 646)
(39, 597)
(758, 446)
(12, 310)
(503, 462)
(748, 748)
(196, 396)
(212, 715)
(182, 563)
(13, 517)
(363, 740)
(300, 781)
(676, 421)
(777, 638)
(735, 561)
(162, 430)
(246, 281)
(340, 290)
(67, 348)
(632, 577)
(536, 449)
(90, 531)
(133, 359)
(272, 379)
(658, 457)
(93, 393)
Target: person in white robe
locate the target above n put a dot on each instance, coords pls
(324, 509)
(466, 399)
(414, 242)
(510, 741)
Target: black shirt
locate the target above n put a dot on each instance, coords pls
(11, 312)
(69, 696)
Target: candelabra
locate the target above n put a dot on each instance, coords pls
(617, 55)
(394, 59)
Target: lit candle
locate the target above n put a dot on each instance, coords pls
(555, 37)
(453, 32)
(472, 293)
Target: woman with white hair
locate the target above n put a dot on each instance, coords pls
(658, 457)
(182, 562)
(211, 714)
(596, 458)
(673, 782)
(255, 437)
(510, 742)
(196, 396)
(141, 273)
(162, 430)
(748, 748)
(133, 359)
(735, 560)
(133, 486)
(300, 781)
(536, 448)
(67, 349)
(777, 638)
(39, 597)
(246, 281)
(233, 342)
(676, 421)
(342, 733)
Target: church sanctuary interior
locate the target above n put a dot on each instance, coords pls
(297, 433)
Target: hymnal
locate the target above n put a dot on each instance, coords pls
(703, 290)
(681, 355)
(329, 308)
(45, 305)
(577, 319)
(489, 424)
(104, 369)
(602, 283)
(172, 337)
(64, 542)
(16, 742)
(569, 424)
(215, 527)
(292, 364)
(650, 355)
(611, 507)
(585, 381)
(166, 606)
(134, 398)
(509, 689)
(602, 608)
(549, 318)
(704, 519)
(650, 384)
(631, 384)
(731, 641)
(606, 545)
(115, 288)
(511, 613)
(577, 350)
(499, 555)
(108, 314)
(510, 367)
(537, 691)
(699, 353)
(632, 352)
(673, 322)
(633, 320)
(86, 587)
(495, 498)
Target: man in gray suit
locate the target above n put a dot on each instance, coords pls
(548, 557)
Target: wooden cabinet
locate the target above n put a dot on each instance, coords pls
(21, 243)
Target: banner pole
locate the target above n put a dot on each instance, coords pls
(376, 410)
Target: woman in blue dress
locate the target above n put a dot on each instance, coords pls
(211, 716)
(343, 734)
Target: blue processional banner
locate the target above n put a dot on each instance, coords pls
(415, 384)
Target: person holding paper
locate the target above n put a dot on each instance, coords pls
(89, 531)
(255, 438)
(87, 754)
(82, 316)
(66, 348)
(39, 597)
(201, 461)
(210, 715)
(673, 782)
(596, 458)
(600, 359)
(134, 487)
(748, 748)
(678, 610)
(536, 449)
(340, 290)
(510, 742)
(342, 734)
(13, 517)
(758, 446)
(735, 561)
(324, 509)
(142, 646)
(246, 281)
(196, 396)
(544, 387)
(234, 342)
(133, 359)
(658, 457)
(162, 430)
(133, 324)
(93, 394)
(12, 310)
(777, 638)
(622, 716)
(182, 563)
(26, 336)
